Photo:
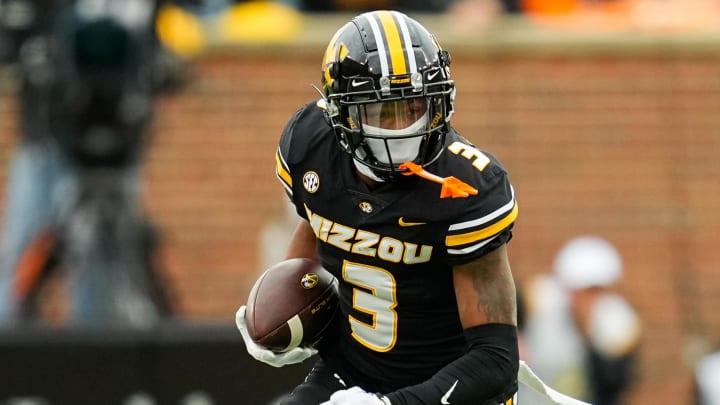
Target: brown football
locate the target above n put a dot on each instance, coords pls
(291, 304)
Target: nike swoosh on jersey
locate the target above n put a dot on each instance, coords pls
(401, 222)
(445, 398)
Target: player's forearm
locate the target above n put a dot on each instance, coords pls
(486, 374)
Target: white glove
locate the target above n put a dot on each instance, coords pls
(275, 359)
(356, 396)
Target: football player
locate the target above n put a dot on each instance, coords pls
(411, 218)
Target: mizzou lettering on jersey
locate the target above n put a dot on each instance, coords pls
(366, 243)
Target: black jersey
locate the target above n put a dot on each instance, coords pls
(392, 249)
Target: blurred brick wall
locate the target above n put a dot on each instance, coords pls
(620, 145)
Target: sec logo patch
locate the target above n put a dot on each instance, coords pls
(311, 182)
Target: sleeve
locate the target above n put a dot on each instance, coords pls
(487, 224)
(485, 375)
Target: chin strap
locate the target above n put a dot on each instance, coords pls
(451, 186)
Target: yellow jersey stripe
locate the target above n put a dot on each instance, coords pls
(282, 173)
(395, 47)
(465, 238)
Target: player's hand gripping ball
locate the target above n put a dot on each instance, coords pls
(291, 305)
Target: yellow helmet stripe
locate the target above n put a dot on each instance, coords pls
(394, 43)
(405, 31)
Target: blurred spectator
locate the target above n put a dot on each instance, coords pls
(505, 6)
(672, 16)
(259, 22)
(474, 15)
(37, 164)
(428, 6)
(643, 15)
(87, 72)
(581, 336)
(707, 379)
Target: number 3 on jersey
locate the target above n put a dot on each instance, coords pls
(374, 296)
(374, 292)
(480, 161)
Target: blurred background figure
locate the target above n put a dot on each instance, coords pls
(707, 379)
(88, 77)
(581, 336)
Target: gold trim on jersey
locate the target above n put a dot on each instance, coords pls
(282, 171)
(484, 233)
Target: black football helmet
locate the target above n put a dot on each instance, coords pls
(388, 92)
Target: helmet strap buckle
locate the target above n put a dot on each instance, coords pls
(416, 79)
(385, 85)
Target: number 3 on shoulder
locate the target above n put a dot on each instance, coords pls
(480, 160)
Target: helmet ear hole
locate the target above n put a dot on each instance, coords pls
(334, 69)
(444, 57)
